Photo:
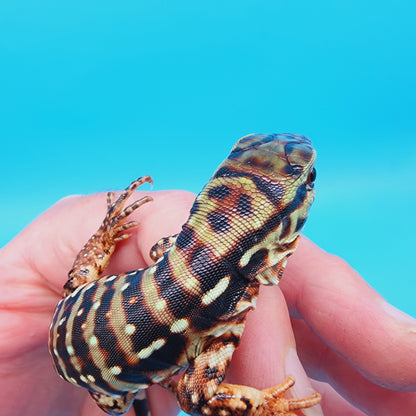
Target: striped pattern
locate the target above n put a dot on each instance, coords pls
(118, 335)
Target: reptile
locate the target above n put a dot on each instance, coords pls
(117, 335)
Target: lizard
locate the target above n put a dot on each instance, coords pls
(117, 335)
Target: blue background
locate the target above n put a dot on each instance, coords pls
(97, 93)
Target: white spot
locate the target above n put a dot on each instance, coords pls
(55, 351)
(147, 352)
(160, 305)
(245, 258)
(91, 378)
(211, 387)
(96, 305)
(130, 329)
(72, 380)
(83, 378)
(179, 326)
(61, 321)
(142, 394)
(195, 397)
(116, 370)
(70, 349)
(133, 272)
(93, 341)
(111, 278)
(124, 287)
(216, 291)
(191, 283)
(80, 312)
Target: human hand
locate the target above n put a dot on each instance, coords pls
(321, 291)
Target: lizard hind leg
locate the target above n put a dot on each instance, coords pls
(201, 390)
(236, 400)
(94, 257)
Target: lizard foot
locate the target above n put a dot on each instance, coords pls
(235, 400)
(95, 255)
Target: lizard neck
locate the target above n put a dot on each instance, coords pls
(243, 222)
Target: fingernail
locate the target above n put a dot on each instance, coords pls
(302, 387)
(399, 316)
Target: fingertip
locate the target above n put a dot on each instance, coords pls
(161, 402)
(302, 387)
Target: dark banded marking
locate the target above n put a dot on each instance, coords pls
(218, 222)
(172, 290)
(273, 190)
(244, 207)
(186, 238)
(219, 192)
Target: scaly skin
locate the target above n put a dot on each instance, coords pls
(117, 335)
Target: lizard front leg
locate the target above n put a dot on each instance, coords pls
(94, 257)
(162, 246)
(202, 377)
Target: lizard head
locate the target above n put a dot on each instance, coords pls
(285, 158)
(272, 181)
(284, 162)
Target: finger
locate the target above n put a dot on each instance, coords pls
(326, 365)
(267, 354)
(350, 317)
(162, 402)
(333, 403)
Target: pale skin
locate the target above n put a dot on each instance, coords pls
(345, 333)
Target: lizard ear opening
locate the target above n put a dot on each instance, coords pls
(114, 405)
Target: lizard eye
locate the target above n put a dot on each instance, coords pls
(311, 177)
